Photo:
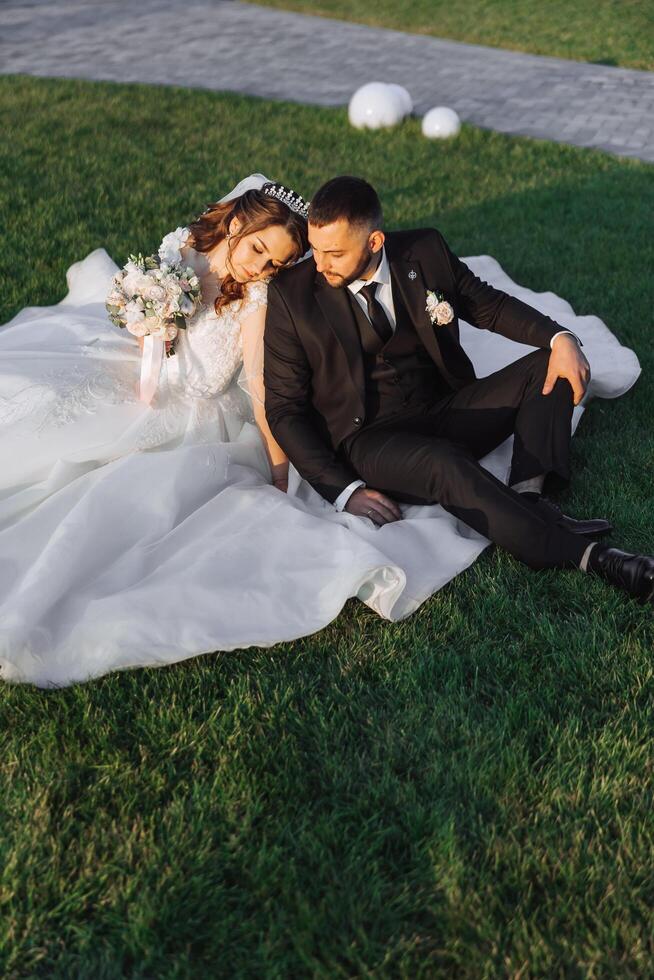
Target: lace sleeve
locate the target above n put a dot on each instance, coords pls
(252, 316)
(256, 296)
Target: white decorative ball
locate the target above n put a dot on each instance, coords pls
(375, 105)
(405, 99)
(440, 123)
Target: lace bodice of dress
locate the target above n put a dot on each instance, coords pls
(210, 352)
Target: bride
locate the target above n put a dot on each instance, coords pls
(136, 534)
(70, 381)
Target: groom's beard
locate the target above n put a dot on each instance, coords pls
(365, 266)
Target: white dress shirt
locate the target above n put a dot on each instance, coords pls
(384, 296)
(384, 291)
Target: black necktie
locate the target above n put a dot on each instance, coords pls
(378, 318)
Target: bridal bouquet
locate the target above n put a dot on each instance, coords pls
(152, 297)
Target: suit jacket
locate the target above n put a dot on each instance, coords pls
(313, 361)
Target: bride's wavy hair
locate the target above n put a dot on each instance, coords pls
(256, 211)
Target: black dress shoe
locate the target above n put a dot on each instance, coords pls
(633, 573)
(597, 527)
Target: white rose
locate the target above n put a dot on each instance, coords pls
(135, 307)
(136, 283)
(134, 313)
(158, 329)
(116, 298)
(153, 292)
(138, 328)
(163, 331)
(154, 310)
(443, 313)
(131, 284)
(131, 280)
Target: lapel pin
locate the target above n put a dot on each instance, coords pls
(413, 274)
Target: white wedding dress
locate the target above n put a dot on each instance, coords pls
(135, 535)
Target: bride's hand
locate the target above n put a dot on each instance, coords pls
(280, 476)
(140, 340)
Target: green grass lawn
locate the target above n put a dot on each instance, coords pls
(609, 32)
(466, 794)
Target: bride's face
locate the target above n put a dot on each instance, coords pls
(260, 254)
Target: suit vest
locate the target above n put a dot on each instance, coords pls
(399, 375)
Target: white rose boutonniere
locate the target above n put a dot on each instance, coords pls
(440, 311)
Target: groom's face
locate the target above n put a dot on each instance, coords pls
(344, 252)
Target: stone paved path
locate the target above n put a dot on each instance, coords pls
(224, 44)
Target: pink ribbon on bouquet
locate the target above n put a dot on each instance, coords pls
(150, 367)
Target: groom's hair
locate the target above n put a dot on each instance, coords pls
(348, 198)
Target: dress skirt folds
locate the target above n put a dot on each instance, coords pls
(134, 534)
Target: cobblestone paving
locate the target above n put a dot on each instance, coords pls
(225, 44)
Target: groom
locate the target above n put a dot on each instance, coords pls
(373, 399)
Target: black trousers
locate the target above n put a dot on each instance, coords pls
(431, 456)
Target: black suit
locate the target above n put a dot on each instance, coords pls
(418, 441)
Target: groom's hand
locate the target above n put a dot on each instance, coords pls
(374, 504)
(567, 361)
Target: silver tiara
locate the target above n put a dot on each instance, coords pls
(287, 197)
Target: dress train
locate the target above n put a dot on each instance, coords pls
(128, 539)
